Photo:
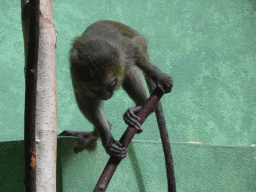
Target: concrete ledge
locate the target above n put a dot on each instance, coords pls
(198, 167)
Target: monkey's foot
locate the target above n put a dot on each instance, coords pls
(84, 138)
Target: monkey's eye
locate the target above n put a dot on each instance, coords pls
(95, 89)
(113, 83)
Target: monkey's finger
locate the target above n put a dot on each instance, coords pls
(132, 119)
(119, 144)
(68, 133)
(132, 113)
(139, 131)
(132, 123)
(168, 87)
(63, 133)
(119, 156)
(118, 152)
(77, 149)
(137, 108)
(118, 148)
(129, 120)
(115, 152)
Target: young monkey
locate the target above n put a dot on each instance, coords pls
(109, 55)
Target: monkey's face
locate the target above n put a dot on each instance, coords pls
(103, 91)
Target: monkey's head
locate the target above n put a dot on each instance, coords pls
(96, 66)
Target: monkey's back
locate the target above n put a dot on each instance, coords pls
(109, 28)
(112, 31)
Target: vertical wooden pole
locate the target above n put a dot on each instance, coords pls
(46, 101)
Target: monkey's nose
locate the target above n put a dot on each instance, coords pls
(106, 96)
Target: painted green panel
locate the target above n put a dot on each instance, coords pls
(12, 165)
(198, 167)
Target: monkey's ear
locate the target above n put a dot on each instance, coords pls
(73, 57)
(74, 53)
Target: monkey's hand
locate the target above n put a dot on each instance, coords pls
(115, 148)
(163, 81)
(131, 119)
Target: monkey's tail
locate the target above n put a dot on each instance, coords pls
(166, 147)
(165, 139)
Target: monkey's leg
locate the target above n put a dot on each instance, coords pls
(161, 79)
(84, 138)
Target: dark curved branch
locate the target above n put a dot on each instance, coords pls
(125, 140)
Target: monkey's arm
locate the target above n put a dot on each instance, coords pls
(154, 78)
(161, 79)
(113, 147)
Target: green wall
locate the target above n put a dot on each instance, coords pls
(208, 47)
